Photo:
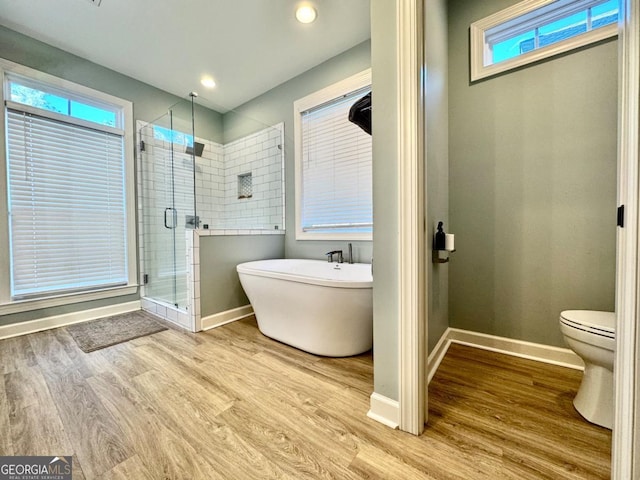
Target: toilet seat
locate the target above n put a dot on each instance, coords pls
(602, 324)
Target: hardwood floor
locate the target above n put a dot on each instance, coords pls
(233, 404)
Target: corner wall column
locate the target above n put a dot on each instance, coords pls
(412, 271)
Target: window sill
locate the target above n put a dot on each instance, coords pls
(36, 304)
(334, 236)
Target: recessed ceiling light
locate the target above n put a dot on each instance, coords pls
(208, 82)
(306, 14)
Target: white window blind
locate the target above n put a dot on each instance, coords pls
(336, 169)
(66, 206)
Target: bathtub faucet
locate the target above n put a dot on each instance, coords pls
(332, 253)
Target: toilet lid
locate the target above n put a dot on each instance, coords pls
(600, 323)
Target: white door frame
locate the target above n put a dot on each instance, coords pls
(412, 272)
(625, 458)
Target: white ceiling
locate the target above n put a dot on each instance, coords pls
(247, 46)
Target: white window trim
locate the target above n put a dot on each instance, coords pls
(348, 85)
(9, 306)
(477, 36)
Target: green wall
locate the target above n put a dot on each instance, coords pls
(276, 106)
(148, 104)
(532, 187)
(220, 288)
(385, 198)
(437, 152)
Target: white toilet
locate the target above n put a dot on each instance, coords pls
(591, 335)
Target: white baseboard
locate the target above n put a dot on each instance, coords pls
(32, 326)
(384, 410)
(563, 357)
(228, 316)
(437, 354)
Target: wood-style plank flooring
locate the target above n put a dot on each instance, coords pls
(233, 404)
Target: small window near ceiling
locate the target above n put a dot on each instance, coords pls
(27, 92)
(533, 30)
(333, 164)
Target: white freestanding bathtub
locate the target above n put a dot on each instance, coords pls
(320, 307)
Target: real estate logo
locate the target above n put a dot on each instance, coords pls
(35, 468)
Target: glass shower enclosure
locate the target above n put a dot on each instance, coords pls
(166, 172)
(204, 182)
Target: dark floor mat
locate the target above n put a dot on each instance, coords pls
(104, 332)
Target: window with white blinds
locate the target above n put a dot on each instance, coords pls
(66, 206)
(69, 186)
(334, 169)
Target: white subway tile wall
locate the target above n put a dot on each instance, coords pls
(210, 194)
(260, 154)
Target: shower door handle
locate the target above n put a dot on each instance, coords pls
(174, 218)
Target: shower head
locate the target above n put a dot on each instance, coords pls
(199, 147)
